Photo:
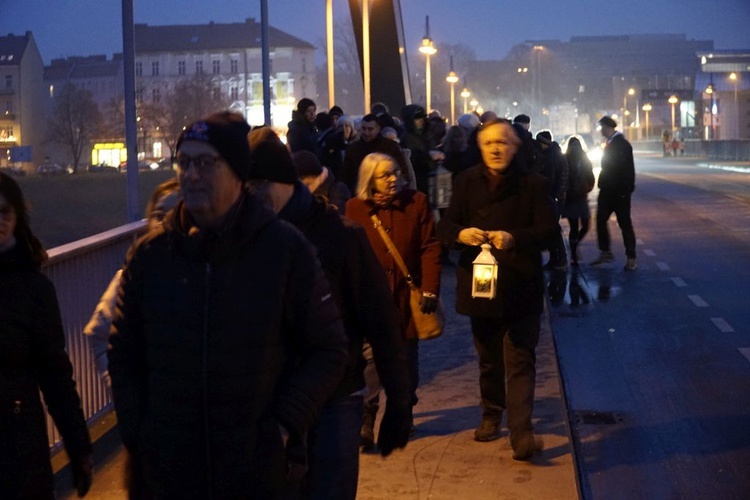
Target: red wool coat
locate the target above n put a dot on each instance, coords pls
(409, 223)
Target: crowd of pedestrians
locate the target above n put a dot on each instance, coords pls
(251, 331)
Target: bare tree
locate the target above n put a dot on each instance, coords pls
(74, 122)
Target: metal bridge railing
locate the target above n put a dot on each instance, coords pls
(81, 271)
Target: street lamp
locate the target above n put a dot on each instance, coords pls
(710, 92)
(673, 100)
(428, 49)
(733, 76)
(474, 103)
(329, 53)
(452, 79)
(536, 83)
(647, 107)
(465, 94)
(366, 52)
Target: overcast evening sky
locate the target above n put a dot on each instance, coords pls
(65, 28)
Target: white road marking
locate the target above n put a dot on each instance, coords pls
(678, 281)
(698, 301)
(650, 253)
(745, 352)
(639, 242)
(722, 325)
(663, 266)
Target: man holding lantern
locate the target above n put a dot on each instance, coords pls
(501, 207)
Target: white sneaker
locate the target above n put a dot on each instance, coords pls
(631, 264)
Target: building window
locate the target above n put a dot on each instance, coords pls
(9, 107)
(216, 67)
(180, 67)
(234, 66)
(199, 67)
(216, 93)
(139, 69)
(234, 93)
(155, 95)
(155, 68)
(139, 95)
(8, 81)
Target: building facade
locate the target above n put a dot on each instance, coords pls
(230, 55)
(21, 104)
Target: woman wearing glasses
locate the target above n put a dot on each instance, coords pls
(407, 219)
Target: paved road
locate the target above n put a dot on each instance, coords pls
(656, 363)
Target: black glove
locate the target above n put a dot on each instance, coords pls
(394, 428)
(83, 473)
(428, 305)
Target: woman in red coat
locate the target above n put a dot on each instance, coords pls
(407, 218)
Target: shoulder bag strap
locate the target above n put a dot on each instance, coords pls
(377, 224)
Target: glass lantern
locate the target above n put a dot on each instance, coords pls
(484, 282)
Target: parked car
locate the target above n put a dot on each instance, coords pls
(102, 167)
(50, 169)
(17, 171)
(143, 166)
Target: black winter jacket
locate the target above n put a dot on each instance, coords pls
(618, 168)
(361, 291)
(520, 207)
(33, 358)
(356, 152)
(217, 339)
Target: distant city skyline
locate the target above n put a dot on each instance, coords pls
(490, 27)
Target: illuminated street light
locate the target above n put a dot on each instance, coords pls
(452, 79)
(465, 94)
(366, 52)
(474, 103)
(647, 108)
(329, 52)
(673, 100)
(428, 49)
(734, 77)
(710, 92)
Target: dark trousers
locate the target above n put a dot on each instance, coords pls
(578, 229)
(618, 203)
(372, 397)
(507, 368)
(333, 447)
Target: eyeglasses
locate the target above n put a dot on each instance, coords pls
(387, 175)
(7, 212)
(201, 162)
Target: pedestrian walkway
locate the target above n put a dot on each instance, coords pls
(442, 460)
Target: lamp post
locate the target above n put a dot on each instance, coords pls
(647, 108)
(465, 94)
(673, 100)
(452, 79)
(536, 86)
(428, 49)
(733, 76)
(710, 92)
(625, 113)
(366, 52)
(329, 53)
(474, 103)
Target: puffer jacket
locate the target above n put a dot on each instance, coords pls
(217, 339)
(33, 358)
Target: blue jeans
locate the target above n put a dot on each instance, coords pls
(333, 446)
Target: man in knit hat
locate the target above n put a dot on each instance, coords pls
(361, 291)
(226, 341)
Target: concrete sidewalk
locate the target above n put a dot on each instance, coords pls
(442, 461)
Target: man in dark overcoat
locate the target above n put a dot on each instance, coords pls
(500, 203)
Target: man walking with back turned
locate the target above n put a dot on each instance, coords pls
(616, 185)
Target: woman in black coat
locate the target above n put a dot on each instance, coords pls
(33, 358)
(500, 203)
